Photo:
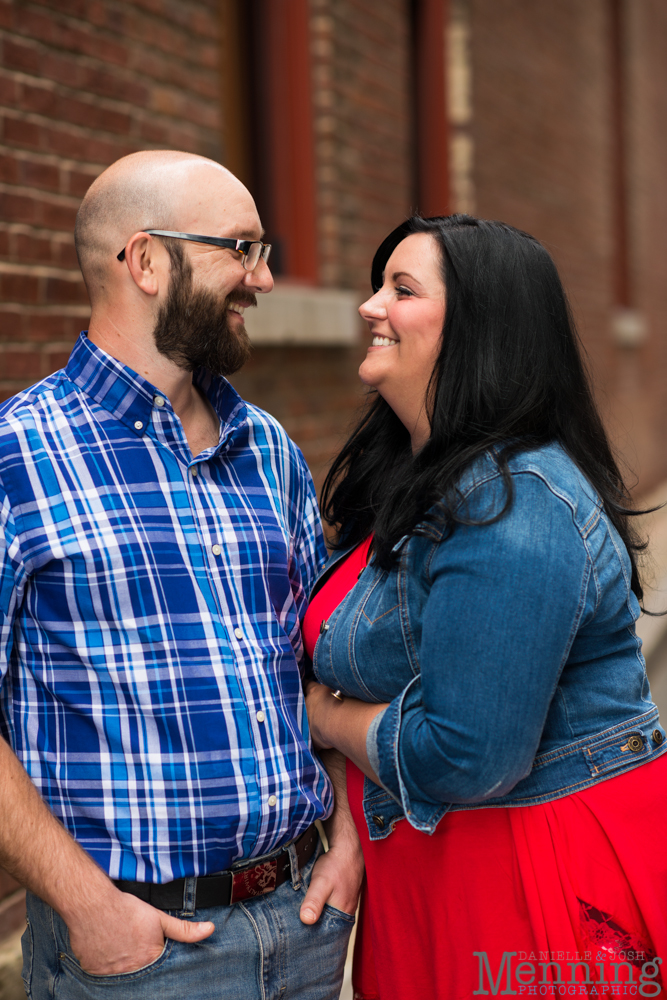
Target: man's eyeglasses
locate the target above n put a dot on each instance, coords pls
(250, 250)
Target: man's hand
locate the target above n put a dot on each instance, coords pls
(337, 875)
(125, 934)
(336, 880)
(110, 931)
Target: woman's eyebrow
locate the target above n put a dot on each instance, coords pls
(398, 274)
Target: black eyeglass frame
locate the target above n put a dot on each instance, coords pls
(241, 246)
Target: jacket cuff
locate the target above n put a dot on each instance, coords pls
(371, 742)
(382, 746)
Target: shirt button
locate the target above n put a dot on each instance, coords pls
(158, 400)
(216, 550)
(138, 424)
(194, 470)
(238, 633)
(272, 800)
(260, 716)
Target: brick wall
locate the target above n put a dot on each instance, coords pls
(314, 392)
(640, 384)
(362, 99)
(543, 133)
(82, 83)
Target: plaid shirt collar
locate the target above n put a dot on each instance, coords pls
(130, 398)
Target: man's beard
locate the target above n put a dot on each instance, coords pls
(192, 327)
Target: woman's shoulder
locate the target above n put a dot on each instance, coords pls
(546, 470)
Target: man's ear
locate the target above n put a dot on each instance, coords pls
(148, 263)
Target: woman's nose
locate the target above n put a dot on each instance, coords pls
(373, 308)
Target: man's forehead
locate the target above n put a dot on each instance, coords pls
(225, 216)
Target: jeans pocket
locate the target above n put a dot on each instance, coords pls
(333, 911)
(28, 949)
(70, 963)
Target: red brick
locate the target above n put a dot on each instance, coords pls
(111, 84)
(41, 100)
(4, 243)
(21, 56)
(32, 248)
(64, 254)
(8, 90)
(41, 175)
(54, 361)
(153, 131)
(61, 68)
(35, 24)
(11, 325)
(22, 133)
(18, 208)
(20, 364)
(44, 327)
(91, 115)
(78, 182)
(7, 884)
(61, 292)
(57, 216)
(93, 44)
(6, 14)
(19, 288)
(75, 146)
(101, 151)
(9, 169)
(74, 8)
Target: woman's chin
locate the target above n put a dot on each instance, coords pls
(371, 373)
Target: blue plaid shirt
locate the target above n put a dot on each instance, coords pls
(150, 609)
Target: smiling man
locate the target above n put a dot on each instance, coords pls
(159, 537)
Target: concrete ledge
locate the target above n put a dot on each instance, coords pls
(299, 314)
(653, 570)
(12, 913)
(11, 963)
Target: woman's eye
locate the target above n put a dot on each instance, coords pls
(402, 290)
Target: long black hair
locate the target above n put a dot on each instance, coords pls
(509, 376)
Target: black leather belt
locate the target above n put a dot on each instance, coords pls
(227, 887)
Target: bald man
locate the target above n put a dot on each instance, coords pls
(158, 791)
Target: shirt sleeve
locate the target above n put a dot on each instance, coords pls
(505, 603)
(11, 573)
(310, 553)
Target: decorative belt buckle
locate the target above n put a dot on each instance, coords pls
(255, 881)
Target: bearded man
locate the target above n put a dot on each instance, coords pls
(158, 790)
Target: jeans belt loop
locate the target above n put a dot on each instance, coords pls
(190, 895)
(295, 872)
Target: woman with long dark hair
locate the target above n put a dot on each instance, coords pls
(473, 637)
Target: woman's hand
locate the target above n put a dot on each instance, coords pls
(341, 725)
(320, 703)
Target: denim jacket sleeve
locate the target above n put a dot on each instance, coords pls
(505, 602)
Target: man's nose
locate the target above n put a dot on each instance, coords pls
(260, 279)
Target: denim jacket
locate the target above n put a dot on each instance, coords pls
(507, 652)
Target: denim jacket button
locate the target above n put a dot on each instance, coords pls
(657, 736)
(378, 821)
(323, 627)
(635, 743)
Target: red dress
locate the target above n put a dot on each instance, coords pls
(561, 899)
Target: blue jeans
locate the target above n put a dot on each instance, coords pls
(259, 950)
